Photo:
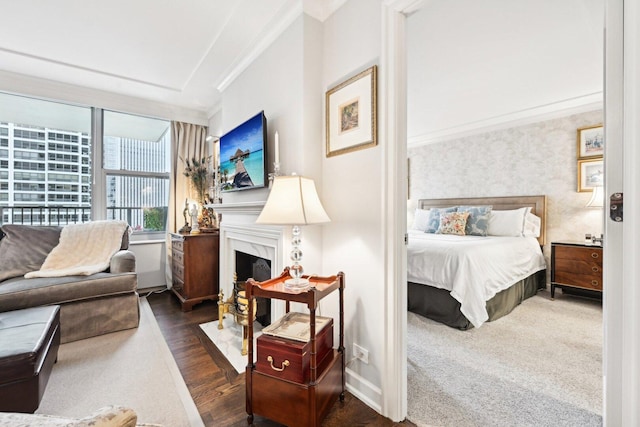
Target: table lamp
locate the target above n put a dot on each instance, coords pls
(293, 200)
(597, 198)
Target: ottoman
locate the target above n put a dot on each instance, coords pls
(29, 341)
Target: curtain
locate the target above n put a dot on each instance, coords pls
(188, 141)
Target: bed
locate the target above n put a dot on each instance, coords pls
(464, 281)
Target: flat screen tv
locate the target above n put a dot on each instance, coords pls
(243, 159)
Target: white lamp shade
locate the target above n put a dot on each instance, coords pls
(597, 198)
(293, 200)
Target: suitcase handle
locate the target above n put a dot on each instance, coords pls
(284, 364)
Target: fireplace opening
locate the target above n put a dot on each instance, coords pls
(249, 266)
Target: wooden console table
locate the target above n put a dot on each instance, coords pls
(304, 403)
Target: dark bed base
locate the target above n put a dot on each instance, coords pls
(439, 305)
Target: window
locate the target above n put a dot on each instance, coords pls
(136, 163)
(47, 164)
(42, 139)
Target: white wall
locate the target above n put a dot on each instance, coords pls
(282, 81)
(151, 260)
(352, 186)
(472, 63)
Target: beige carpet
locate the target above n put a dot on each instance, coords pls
(132, 368)
(539, 366)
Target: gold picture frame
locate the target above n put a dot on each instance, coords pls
(590, 174)
(590, 142)
(351, 114)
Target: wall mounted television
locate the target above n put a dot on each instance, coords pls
(243, 155)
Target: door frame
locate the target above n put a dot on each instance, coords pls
(621, 302)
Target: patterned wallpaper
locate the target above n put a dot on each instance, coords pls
(532, 159)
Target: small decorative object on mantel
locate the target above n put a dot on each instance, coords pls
(351, 114)
(276, 161)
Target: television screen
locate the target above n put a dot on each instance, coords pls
(243, 157)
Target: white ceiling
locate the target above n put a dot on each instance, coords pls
(177, 52)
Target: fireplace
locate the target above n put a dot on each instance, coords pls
(240, 234)
(251, 266)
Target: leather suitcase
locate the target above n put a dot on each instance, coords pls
(290, 359)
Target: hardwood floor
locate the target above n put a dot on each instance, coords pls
(217, 390)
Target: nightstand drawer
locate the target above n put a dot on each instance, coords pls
(177, 244)
(586, 281)
(178, 257)
(585, 254)
(577, 267)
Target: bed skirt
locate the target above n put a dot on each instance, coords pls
(437, 304)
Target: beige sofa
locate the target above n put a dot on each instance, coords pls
(89, 305)
(110, 416)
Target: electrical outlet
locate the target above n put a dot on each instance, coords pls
(361, 353)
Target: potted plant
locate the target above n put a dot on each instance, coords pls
(198, 171)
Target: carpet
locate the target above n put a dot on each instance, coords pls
(539, 366)
(229, 340)
(132, 368)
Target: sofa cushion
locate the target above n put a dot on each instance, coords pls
(20, 293)
(24, 248)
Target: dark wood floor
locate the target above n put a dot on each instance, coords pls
(217, 390)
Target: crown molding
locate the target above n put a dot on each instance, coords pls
(551, 111)
(261, 43)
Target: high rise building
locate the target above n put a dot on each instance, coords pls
(45, 177)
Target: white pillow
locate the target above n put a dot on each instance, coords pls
(421, 219)
(531, 225)
(508, 223)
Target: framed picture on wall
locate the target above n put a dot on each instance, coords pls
(590, 174)
(590, 142)
(351, 114)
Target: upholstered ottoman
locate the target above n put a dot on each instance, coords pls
(29, 341)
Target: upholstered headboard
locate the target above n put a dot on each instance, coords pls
(538, 205)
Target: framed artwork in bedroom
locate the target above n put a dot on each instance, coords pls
(590, 174)
(351, 114)
(590, 142)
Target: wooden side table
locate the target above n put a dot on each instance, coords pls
(304, 403)
(195, 267)
(576, 265)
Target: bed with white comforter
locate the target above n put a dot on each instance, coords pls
(472, 268)
(473, 260)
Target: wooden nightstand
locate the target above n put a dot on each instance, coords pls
(576, 265)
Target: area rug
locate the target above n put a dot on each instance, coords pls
(132, 368)
(229, 340)
(539, 366)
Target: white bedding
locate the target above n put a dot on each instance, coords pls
(473, 268)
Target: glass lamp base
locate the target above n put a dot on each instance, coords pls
(298, 284)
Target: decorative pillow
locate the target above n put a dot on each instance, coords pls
(434, 218)
(531, 225)
(507, 223)
(453, 223)
(478, 221)
(24, 248)
(420, 219)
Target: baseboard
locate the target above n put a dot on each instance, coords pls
(364, 390)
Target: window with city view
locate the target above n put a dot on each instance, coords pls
(136, 160)
(46, 165)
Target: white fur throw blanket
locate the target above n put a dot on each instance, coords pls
(84, 249)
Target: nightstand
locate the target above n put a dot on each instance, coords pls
(576, 266)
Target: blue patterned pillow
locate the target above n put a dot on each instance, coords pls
(478, 221)
(434, 218)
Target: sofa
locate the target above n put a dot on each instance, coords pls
(109, 416)
(90, 305)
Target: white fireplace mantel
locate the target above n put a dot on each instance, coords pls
(239, 232)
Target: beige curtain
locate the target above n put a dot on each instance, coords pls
(188, 141)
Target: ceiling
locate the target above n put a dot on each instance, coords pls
(177, 52)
